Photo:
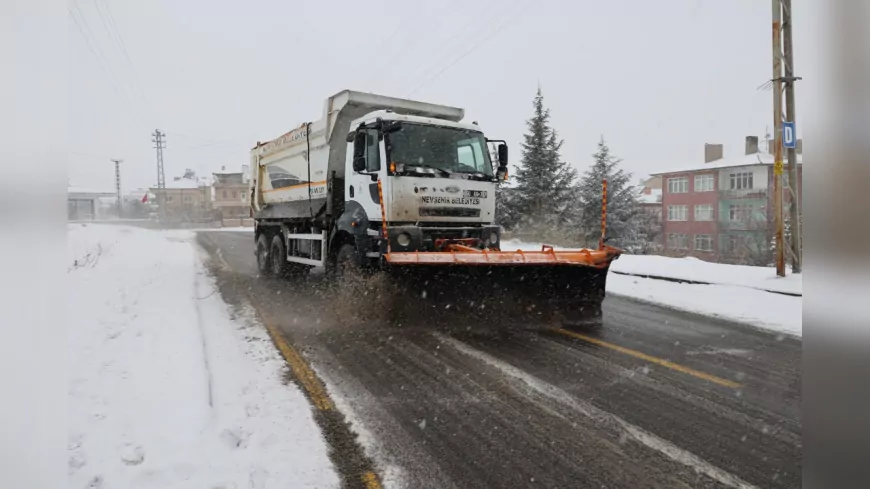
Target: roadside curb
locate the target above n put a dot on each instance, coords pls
(335, 429)
(354, 468)
(698, 282)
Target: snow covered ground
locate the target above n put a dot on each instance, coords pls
(738, 292)
(169, 387)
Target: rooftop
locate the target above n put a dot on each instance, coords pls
(743, 160)
(184, 184)
(654, 197)
(74, 190)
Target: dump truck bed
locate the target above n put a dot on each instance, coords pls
(292, 171)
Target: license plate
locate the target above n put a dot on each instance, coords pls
(480, 194)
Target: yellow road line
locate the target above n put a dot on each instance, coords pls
(370, 479)
(650, 358)
(300, 368)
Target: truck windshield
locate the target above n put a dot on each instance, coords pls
(445, 148)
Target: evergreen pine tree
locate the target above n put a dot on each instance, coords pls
(545, 183)
(506, 212)
(622, 209)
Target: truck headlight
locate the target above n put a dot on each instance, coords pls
(493, 238)
(404, 239)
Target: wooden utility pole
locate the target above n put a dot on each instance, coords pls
(777, 137)
(794, 189)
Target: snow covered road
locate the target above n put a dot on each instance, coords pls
(653, 397)
(169, 387)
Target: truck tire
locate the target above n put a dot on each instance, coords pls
(346, 264)
(278, 255)
(263, 263)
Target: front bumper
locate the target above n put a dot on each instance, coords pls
(424, 238)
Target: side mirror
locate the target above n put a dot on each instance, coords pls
(501, 173)
(359, 151)
(502, 155)
(392, 126)
(359, 164)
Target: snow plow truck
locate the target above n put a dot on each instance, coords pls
(405, 190)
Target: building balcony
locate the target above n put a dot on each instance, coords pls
(758, 224)
(747, 193)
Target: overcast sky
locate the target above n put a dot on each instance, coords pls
(657, 79)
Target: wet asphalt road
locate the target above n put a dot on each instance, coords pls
(652, 398)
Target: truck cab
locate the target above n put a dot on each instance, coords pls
(432, 180)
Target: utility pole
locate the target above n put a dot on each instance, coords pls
(794, 187)
(777, 137)
(118, 185)
(159, 144)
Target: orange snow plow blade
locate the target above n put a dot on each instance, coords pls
(464, 255)
(514, 284)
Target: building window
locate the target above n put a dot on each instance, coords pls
(187, 198)
(703, 242)
(704, 212)
(233, 195)
(735, 243)
(741, 181)
(678, 213)
(679, 185)
(678, 241)
(739, 212)
(168, 198)
(703, 183)
(242, 196)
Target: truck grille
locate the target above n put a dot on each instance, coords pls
(449, 212)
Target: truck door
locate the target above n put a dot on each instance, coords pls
(365, 172)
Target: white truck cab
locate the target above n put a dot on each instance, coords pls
(371, 166)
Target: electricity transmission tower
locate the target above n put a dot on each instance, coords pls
(118, 185)
(159, 144)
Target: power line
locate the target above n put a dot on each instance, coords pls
(390, 59)
(473, 48)
(112, 30)
(106, 70)
(209, 141)
(456, 40)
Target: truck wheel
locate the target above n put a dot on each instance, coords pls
(346, 264)
(278, 257)
(263, 265)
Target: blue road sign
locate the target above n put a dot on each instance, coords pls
(789, 137)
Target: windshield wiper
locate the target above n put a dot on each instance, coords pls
(478, 174)
(444, 172)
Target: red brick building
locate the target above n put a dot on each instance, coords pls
(721, 210)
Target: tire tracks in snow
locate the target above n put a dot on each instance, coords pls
(526, 381)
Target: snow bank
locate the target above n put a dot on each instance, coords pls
(738, 293)
(167, 388)
(692, 269)
(776, 312)
(701, 271)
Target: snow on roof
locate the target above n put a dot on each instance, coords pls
(184, 183)
(744, 160)
(90, 191)
(654, 197)
(415, 119)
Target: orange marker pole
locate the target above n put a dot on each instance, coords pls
(383, 214)
(603, 213)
